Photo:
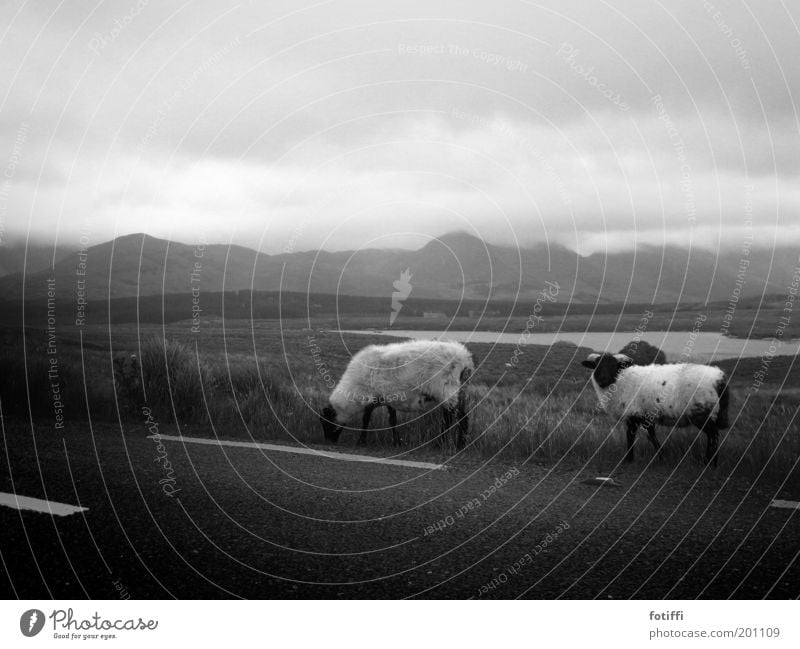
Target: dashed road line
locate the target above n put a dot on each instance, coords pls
(24, 503)
(330, 455)
(785, 504)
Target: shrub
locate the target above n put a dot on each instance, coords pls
(127, 381)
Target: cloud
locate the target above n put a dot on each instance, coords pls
(387, 123)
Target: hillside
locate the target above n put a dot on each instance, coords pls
(455, 266)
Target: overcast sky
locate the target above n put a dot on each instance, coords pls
(343, 124)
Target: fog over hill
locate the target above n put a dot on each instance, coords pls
(455, 266)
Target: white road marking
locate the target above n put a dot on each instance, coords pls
(785, 504)
(348, 457)
(37, 505)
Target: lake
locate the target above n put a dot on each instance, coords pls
(703, 346)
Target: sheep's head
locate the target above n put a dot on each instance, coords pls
(606, 367)
(331, 429)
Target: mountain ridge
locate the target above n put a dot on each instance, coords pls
(456, 265)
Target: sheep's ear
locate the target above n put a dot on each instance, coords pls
(623, 361)
(591, 361)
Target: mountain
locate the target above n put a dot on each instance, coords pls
(454, 266)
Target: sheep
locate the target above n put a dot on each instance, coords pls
(677, 394)
(412, 376)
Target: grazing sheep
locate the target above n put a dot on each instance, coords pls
(412, 376)
(675, 394)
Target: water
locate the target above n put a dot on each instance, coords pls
(701, 346)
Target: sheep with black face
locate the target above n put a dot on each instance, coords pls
(413, 376)
(678, 394)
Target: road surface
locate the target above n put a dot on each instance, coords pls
(222, 521)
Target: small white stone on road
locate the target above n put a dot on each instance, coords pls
(602, 482)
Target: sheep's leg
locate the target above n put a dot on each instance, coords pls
(632, 428)
(447, 422)
(362, 438)
(711, 431)
(709, 427)
(396, 440)
(651, 435)
(463, 419)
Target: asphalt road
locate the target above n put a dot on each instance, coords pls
(248, 523)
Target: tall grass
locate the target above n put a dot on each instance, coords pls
(549, 418)
(173, 380)
(262, 396)
(565, 426)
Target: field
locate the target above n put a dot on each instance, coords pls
(749, 318)
(209, 383)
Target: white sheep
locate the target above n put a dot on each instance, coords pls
(413, 376)
(677, 394)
